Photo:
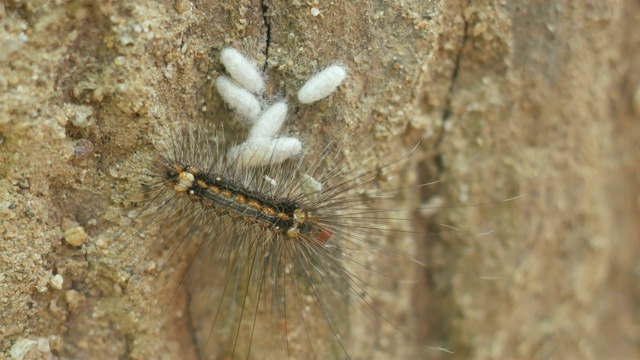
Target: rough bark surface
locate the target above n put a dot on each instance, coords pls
(533, 98)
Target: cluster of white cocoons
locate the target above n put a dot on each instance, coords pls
(242, 91)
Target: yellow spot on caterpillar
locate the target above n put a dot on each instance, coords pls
(193, 170)
(299, 216)
(293, 232)
(283, 216)
(254, 204)
(201, 183)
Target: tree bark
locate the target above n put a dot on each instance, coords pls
(532, 99)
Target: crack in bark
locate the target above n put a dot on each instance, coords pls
(267, 24)
(435, 326)
(448, 99)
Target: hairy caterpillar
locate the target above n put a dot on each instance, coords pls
(270, 242)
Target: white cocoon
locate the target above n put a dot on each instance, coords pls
(241, 100)
(270, 122)
(242, 70)
(322, 84)
(264, 151)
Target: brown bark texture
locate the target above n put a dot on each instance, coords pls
(538, 99)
